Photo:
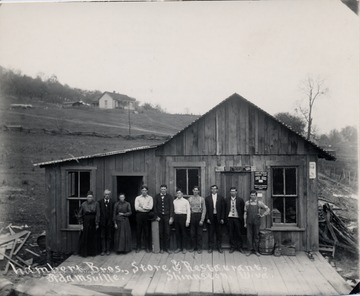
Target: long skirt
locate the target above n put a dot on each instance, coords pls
(87, 240)
(122, 236)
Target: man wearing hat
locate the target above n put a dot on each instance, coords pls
(106, 206)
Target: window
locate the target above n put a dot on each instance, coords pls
(284, 193)
(187, 178)
(78, 186)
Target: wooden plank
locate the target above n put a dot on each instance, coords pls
(219, 286)
(206, 285)
(251, 127)
(9, 238)
(10, 256)
(260, 286)
(143, 258)
(291, 282)
(276, 284)
(145, 278)
(22, 243)
(335, 279)
(157, 276)
(311, 283)
(231, 275)
(164, 279)
(317, 275)
(244, 278)
(194, 287)
(201, 137)
(183, 286)
(139, 161)
(43, 287)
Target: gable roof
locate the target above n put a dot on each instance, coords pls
(118, 97)
(321, 152)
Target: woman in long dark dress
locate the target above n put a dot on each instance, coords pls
(89, 216)
(122, 237)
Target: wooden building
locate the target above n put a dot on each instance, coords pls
(114, 100)
(234, 144)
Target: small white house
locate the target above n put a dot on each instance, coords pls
(114, 100)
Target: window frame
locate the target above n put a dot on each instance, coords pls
(284, 196)
(170, 177)
(66, 190)
(188, 194)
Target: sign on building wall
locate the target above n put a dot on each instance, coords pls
(312, 170)
(260, 180)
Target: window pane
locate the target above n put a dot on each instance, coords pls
(290, 181)
(84, 183)
(278, 181)
(290, 209)
(73, 178)
(193, 179)
(278, 204)
(181, 179)
(74, 206)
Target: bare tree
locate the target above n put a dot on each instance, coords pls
(313, 89)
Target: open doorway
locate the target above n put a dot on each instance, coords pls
(131, 187)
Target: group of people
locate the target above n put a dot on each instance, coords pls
(106, 215)
(180, 213)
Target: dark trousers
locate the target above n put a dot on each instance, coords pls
(143, 227)
(234, 228)
(253, 230)
(214, 227)
(164, 232)
(196, 231)
(180, 230)
(106, 237)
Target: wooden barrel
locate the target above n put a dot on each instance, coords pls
(266, 242)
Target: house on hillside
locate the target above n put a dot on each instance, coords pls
(114, 100)
(234, 144)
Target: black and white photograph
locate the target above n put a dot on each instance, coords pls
(179, 147)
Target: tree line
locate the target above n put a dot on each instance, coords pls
(49, 89)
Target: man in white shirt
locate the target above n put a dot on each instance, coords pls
(143, 205)
(181, 220)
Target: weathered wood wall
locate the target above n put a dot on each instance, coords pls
(235, 133)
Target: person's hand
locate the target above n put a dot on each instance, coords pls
(201, 223)
(171, 220)
(158, 219)
(81, 227)
(221, 221)
(116, 227)
(187, 224)
(245, 225)
(208, 221)
(97, 226)
(121, 214)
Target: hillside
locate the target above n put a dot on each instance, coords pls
(51, 132)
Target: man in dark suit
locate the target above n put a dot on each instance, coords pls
(106, 206)
(164, 210)
(215, 209)
(234, 218)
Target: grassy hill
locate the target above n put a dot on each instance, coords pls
(45, 136)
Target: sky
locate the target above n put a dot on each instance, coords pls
(189, 56)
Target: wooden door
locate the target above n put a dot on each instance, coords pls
(242, 181)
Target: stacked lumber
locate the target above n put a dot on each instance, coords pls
(334, 233)
(12, 241)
